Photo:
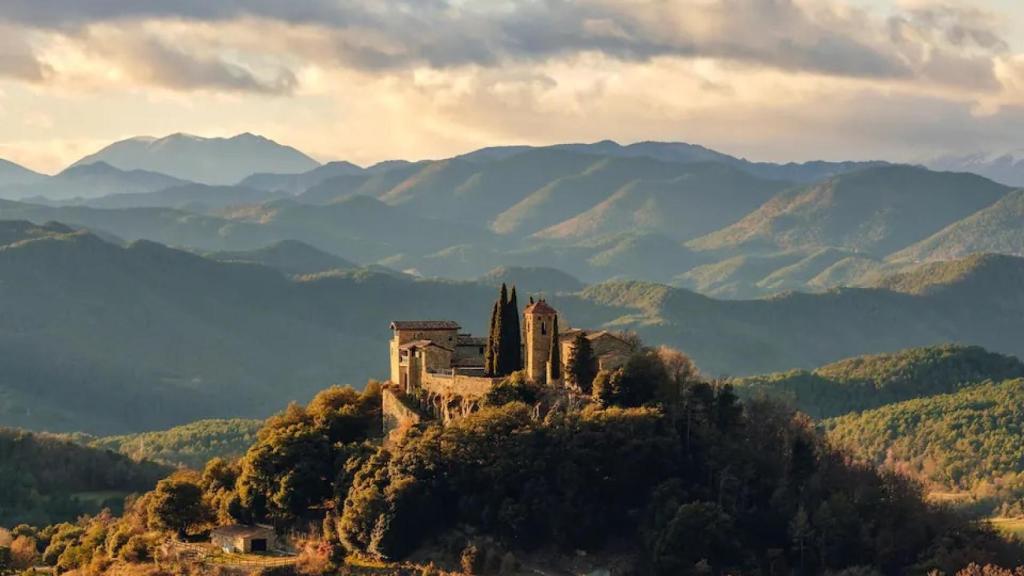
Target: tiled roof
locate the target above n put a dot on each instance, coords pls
(236, 530)
(421, 344)
(424, 325)
(540, 307)
(467, 340)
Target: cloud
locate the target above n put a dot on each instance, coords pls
(823, 37)
(18, 59)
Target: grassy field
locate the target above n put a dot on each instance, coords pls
(1009, 526)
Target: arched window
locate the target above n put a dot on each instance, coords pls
(543, 329)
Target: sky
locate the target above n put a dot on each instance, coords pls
(365, 81)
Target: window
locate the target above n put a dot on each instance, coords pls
(543, 329)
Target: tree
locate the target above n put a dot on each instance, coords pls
(177, 504)
(496, 339)
(513, 339)
(582, 366)
(489, 352)
(555, 353)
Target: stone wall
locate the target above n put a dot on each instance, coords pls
(397, 415)
(449, 395)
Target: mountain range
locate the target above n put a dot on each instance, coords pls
(107, 338)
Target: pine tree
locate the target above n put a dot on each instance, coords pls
(582, 366)
(555, 354)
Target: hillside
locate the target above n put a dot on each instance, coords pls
(87, 181)
(206, 160)
(998, 228)
(192, 445)
(288, 256)
(12, 174)
(298, 183)
(696, 201)
(532, 279)
(47, 479)
(877, 211)
(967, 441)
(198, 198)
(866, 382)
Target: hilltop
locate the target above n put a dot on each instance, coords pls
(203, 160)
(866, 382)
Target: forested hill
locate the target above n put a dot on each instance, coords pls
(108, 339)
(191, 445)
(866, 382)
(968, 441)
(49, 479)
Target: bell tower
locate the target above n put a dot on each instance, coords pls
(539, 325)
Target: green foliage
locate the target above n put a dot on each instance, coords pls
(177, 505)
(634, 384)
(555, 352)
(191, 445)
(967, 441)
(581, 367)
(867, 382)
(295, 464)
(515, 388)
(47, 478)
(504, 343)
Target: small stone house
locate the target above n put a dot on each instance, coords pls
(243, 538)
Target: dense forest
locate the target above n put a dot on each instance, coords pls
(867, 382)
(191, 445)
(670, 473)
(46, 478)
(968, 441)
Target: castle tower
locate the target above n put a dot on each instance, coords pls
(538, 324)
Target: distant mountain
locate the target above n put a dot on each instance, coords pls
(288, 256)
(532, 280)
(683, 153)
(876, 211)
(1006, 168)
(88, 181)
(110, 339)
(978, 275)
(12, 174)
(205, 160)
(690, 203)
(199, 198)
(867, 382)
(999, 228)
(299, 183)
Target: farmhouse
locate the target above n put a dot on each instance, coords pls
(243, 538)
(439, 372)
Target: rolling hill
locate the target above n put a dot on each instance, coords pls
(998, 228)
(206, 160)
(197, 198)
(876, 211)
(87, 181)
(191, 445)
(967, 441)
(289, 257)
(867, 382)
(105, 338)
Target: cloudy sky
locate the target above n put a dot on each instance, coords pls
(373, 80)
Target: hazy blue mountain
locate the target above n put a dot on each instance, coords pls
(205, 160)
(299, 183)
(86, 181)
(105, 338)
(12, 174)
(200, 198)
(532, 280)
(876, 211)
(1006, 168)
(288, 256)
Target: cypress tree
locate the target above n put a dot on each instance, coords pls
(489, 350)
(555, 354)
(496, 340)
(513, 338)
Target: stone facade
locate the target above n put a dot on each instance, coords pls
(441, 372)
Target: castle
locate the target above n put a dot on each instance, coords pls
(437, 372)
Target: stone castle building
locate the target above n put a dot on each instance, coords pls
(437, 372)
